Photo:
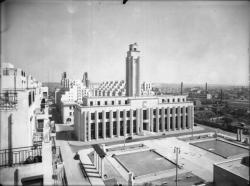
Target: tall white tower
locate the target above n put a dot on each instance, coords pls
(133, 86)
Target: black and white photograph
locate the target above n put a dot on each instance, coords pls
(124, 92)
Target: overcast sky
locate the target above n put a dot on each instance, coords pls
(193, 42)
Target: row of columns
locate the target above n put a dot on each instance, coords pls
(160, 120)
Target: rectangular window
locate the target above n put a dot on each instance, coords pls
(70, 113)
(30, 98)
(121, 114)
(119, 102)
(128, 113)
(6, 72)
(114, 114)
(33, 96)
(106, 103)
(126, 102)
(91, 103)
(107, 115)
(98, 102)
(168, 100)
(134, 113)
(178, 99)
(100, 115)
(113, 102)
(92, 116)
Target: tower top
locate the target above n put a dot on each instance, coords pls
(133, 47)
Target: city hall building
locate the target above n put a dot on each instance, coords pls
(109, 117)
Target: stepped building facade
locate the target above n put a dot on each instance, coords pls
(107, 116)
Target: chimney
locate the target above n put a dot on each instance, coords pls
(181, 88)
(206, 88)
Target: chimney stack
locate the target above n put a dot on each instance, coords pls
(181, 88)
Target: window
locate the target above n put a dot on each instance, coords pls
(33, 96)
(91, 103)
(128, 113)
(70, 113)
(154, 112)
(183, 99)
(121, 114)
(178, 99)
(30, 102)
(98, 103)
(168, 100)
(100, 115)
(107, 114)
(114, 114)
(119, 102)
(6, 72)
(92, 116)
(134, 113)
(70, 107)
(173, 100)
(126, 102)
(113, 102)
(106, 103)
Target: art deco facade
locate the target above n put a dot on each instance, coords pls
(109, 117)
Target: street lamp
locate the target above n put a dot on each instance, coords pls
(177, 151)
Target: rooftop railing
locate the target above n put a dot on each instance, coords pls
(8, 100)
(22, 155)
(59, 174)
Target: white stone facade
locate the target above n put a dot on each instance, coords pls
(111, 117)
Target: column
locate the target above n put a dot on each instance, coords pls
(111, 123)
(173, 118)
(124, 122)
(179, 117)
(89, 127)
(140, 119)
(157, 119)
(118, 122)
(192, 116)
(96, 125)
(103, 124)
(189, 117)
(148, 119)
(102, 168)
(168, 119)
(131, 122)
(184, 117)
(151, 120)
(94, 159)
(84, 126)
(137, 121)
(162, 119)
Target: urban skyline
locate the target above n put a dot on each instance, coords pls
(191, 50)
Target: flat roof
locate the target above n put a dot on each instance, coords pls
(236, 167)
(134, 97)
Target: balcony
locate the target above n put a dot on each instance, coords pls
(8, 100)
(19, 156)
